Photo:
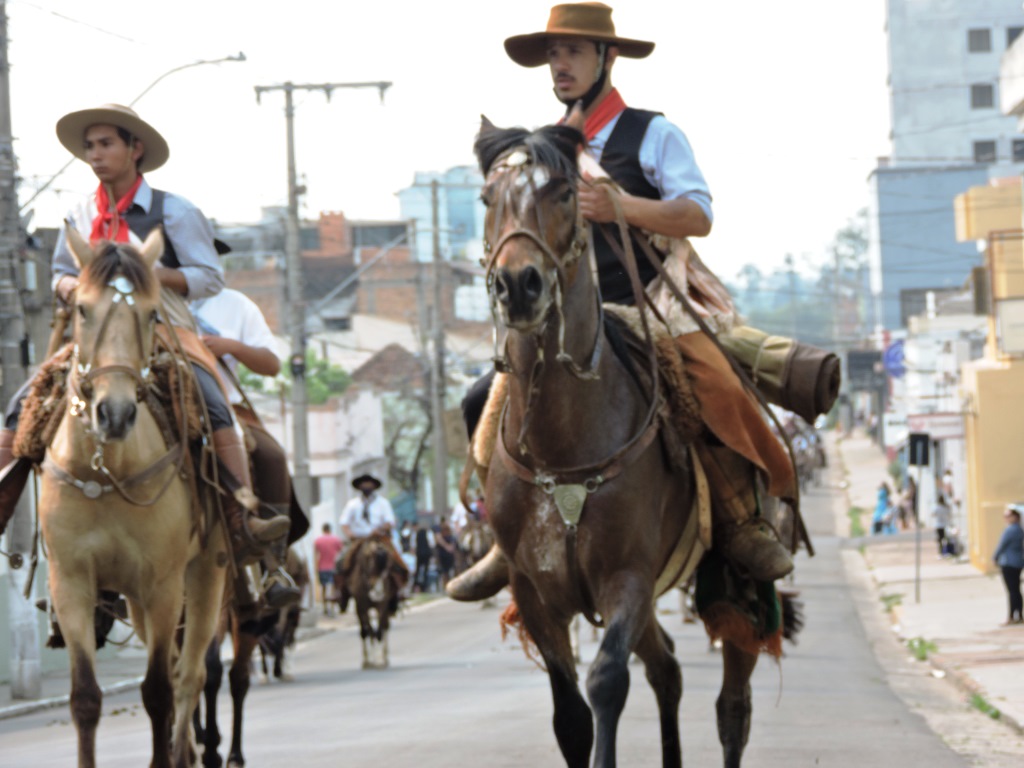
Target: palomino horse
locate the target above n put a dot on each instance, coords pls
(584, 503)
(116, 511)
(277, 630)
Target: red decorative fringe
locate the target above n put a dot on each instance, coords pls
(511, 620)
(723, 622)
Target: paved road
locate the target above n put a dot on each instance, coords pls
(456, 694)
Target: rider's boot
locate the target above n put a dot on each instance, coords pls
(739, 531)
(249, 532)
(279, 589)
(485, 579)
(13, 476)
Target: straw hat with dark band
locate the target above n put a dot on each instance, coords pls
(587, 21)
(71, 132)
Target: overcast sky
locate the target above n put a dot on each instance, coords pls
(784, 103)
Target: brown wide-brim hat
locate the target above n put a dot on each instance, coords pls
(366, 478)
(71, 132)
(587, 21)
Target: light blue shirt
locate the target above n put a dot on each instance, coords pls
(188, 230)
(667, 161)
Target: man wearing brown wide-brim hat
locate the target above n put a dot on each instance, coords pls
(119, 146)
(662, 192)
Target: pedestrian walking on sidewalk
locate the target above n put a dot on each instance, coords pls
(883, 512)
(1009, 556)
(942, 518)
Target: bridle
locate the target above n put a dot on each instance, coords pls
(83, 372)
(515, 163)
(80, 382)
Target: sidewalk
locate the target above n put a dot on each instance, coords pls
(123, 669)
(956, 621)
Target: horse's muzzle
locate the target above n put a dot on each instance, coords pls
(522, 295)
(115, 417)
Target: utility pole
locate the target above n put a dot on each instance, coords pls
(437, 378)
(296, 313)
(26, 680)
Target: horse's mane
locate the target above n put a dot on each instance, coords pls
(113, 259)
(553, 146)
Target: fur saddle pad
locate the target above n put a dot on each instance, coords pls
(684, 407)
(171, 386)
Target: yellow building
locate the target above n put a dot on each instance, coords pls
(993, 387)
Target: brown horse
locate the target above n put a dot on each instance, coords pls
(116, 512)
(373, 582)
(277, 629)
(584, 501)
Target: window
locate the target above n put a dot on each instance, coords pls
(982, 96)
(984, 151)
(979, 40)
(1012, 33)
(1018, 150)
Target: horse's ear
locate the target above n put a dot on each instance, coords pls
(575, 118)
(81, 251)
(486, 126)
(153, 248)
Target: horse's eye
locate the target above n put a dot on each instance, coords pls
(485, 199)
(81, 311)
(153, 315)
(567, 195)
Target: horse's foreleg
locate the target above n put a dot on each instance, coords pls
(238, 676)
(734, 703)
(666, 679)
(161, 615)
(608, 679)
(573, 722)
(204, 589)
(74, 600)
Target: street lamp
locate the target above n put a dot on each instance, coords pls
(240, 56)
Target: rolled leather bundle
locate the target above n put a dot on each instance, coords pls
(795, 376)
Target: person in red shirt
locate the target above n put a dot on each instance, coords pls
(327, 546)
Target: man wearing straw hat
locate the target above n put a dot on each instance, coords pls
(119, 145)
(662, 192)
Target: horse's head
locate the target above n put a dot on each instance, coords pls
(534, 236)
(115, 311)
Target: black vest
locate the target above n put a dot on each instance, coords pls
(142, 223)
(621, 159)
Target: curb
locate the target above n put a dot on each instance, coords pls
(29, 707)
(16, 710)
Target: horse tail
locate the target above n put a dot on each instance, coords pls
(792, 614)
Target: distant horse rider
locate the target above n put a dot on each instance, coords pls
(368, 514)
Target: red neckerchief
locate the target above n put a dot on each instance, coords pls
(607, 109)
(103, 226)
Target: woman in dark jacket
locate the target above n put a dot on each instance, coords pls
(1009, 556)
